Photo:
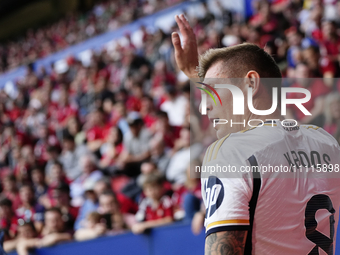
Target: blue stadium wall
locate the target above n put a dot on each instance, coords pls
(169, 240)
(176, 239)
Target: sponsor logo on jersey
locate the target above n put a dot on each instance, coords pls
(214, 192)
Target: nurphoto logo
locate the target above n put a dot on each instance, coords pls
(238, 100)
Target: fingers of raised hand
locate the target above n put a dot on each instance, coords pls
(184, 27)
(186, 23)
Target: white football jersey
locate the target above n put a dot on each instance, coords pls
(281, 183)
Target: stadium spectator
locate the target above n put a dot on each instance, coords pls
(147, 112)
(165, 131)
(174, 106)
(30, 210)
(155, 209)
(67, 31)
(10, 190)
(319, 66)
(134, 189)
(91, 204)
(197, 223)
(119, 116)
(318, 91)
(53, 155)
(89, 175)
(159, 155)
(332, 113)
(38, 180)
(26, 162)
(73, 128)
(176, 171)
(187, 199)
(61, 199)
(25, 231)
(147, 169)
(56, 176)
(70, 156)
(52, 233)
(109, 206)
(113, 147)
(45, 139)
(136, 145)
(108, 219)
(8, 219)
(93, 228)
(96, 130)
(330, 40)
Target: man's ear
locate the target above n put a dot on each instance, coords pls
(252, 79)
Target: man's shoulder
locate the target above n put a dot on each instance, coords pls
(319, 135)
(244, 142)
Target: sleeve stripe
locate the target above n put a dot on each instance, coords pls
(227, 228)
(206, 156)
(211, 150)
(225, 222)
(219, 145)
(312, 127)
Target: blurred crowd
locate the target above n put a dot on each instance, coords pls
(74, 28)
(106, 148)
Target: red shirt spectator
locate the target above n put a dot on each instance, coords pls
(95, 133)
(14, 197)
(8, 219)
(147, 212)
(133, 104)
(331, 48)
(326, 66)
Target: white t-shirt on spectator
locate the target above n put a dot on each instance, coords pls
(175, 110)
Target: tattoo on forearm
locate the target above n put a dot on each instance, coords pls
(226, 243)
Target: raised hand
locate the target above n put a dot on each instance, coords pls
(186, 55)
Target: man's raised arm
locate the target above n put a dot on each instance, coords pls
(186, 54)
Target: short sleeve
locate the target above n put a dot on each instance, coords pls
(226, 195)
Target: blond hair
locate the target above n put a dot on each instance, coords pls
(240, 59)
